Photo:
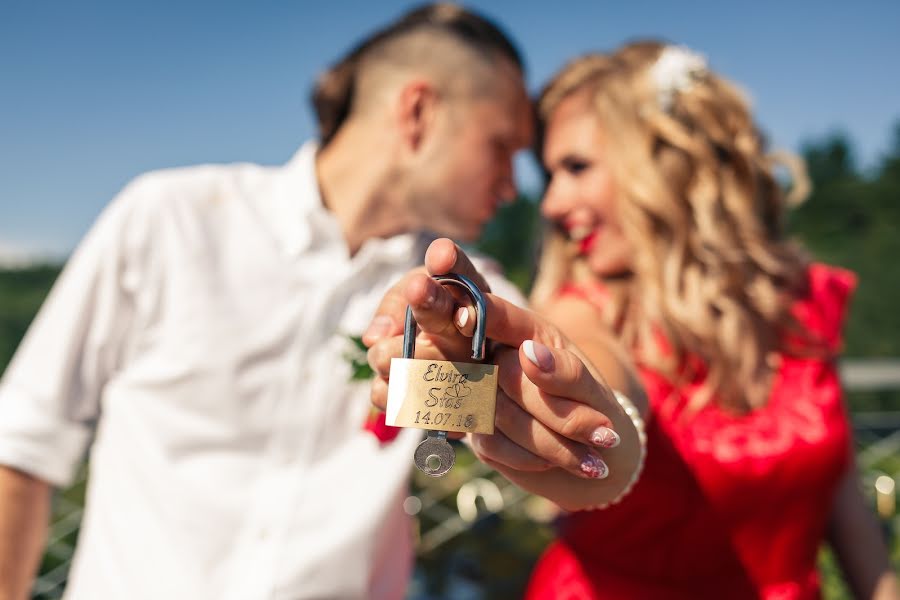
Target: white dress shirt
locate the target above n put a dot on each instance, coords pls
(197, 341)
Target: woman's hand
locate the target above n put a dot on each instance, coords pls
(557, 421)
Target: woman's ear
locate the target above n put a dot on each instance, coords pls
(416, 108)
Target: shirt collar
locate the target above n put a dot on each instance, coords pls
(302, 220)
(297, 196)
(404, 249)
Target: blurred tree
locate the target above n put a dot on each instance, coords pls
(890, 166)
(21, 293)
(852, 221)
(830, 159)
(512, 239)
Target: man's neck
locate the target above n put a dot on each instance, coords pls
(361, 189)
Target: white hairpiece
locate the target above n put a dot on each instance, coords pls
(675, 70)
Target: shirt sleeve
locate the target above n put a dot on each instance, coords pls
(50, 392)
(824, 311)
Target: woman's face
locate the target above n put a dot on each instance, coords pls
(581, 197)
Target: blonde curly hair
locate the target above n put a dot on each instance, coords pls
(712, 271)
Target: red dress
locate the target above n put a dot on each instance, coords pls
(728, 506)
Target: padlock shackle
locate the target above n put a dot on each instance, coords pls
(478, 338)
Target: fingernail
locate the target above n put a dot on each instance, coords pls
(379, 327)
(462, 316)
(594, 467)
(605, 437)
(539, 354)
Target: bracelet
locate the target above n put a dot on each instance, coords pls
(635, 415)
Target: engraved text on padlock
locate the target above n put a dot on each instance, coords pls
(442, 395)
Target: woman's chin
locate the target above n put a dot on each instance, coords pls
(609, 267)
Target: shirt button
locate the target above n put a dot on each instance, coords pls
(262, 535)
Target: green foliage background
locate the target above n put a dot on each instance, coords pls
(852, 219)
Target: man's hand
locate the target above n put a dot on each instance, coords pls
(433, 306)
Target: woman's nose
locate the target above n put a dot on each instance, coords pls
(552, 204)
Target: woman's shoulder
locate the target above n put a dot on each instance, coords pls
(823, 308)
(572, 306)
(592, 293)
(830, 282)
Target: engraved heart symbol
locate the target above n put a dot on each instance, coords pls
(459, 390)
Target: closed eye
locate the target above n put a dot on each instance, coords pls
(502, 148)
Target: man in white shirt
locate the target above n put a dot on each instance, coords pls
(195, 341)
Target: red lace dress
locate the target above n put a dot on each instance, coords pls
(728, 506)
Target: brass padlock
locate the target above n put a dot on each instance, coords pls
(441, 395)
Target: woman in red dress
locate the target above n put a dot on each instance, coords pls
(670, 239)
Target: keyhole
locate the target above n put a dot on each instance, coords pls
(433, 462)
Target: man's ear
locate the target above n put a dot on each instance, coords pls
(416, 109)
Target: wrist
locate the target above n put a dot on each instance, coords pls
(626, 460)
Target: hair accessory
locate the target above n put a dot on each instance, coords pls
(675, 70)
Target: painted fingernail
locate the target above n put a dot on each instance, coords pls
(539, 354)
(605, 437)
(594, 467)
(379, 327)
(462, 316)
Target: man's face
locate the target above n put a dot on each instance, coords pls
(469, 169)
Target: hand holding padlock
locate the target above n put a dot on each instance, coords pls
(442, 395)
(561, 432)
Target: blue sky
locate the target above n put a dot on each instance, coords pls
(94, 93)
